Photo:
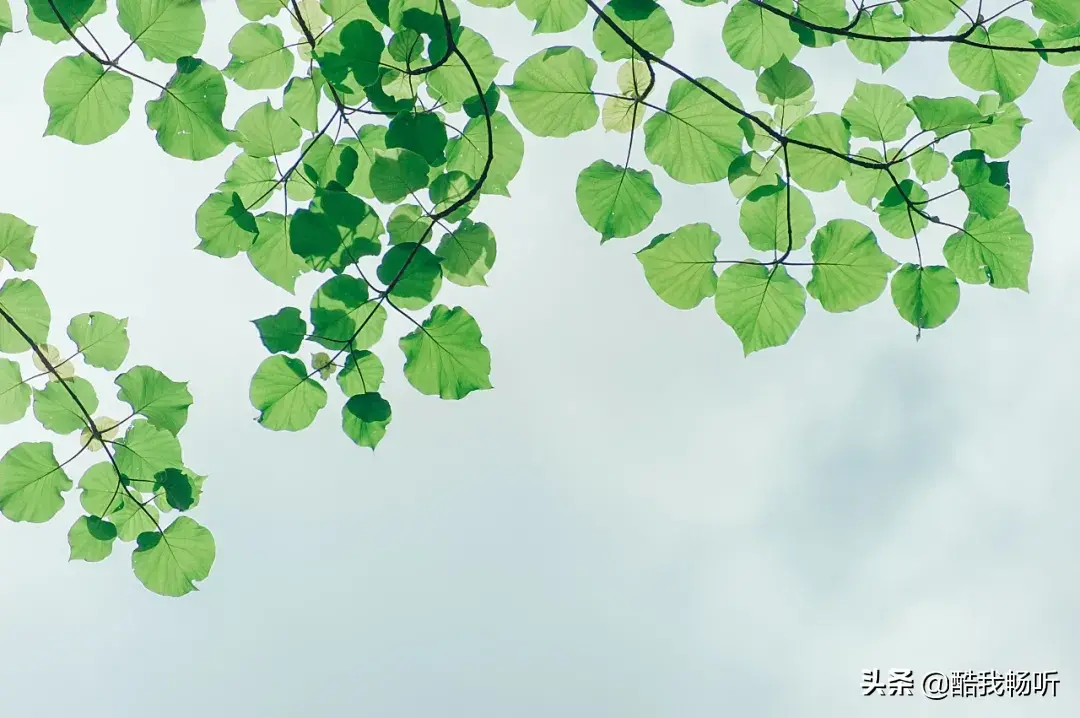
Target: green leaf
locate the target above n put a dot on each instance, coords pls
(225, 228)
(929, 16)
(997, 250)
(358, 52)
(1009, 74)
(91, 539)
(358, 227)
(363, 372)
(882, 21)
(31, 483)
(258, 9)
(764, 305)
(763, 218)
(946, 115)
(23, 301)
(87, 103)
(423, 133)
(468, 153)
(467, 253)
(16, 238)
(179, 489)
(925, 296)
(1058, 37)
(266, 132)
(101, 494)
(814, 169)
(271, 254)
(865, 184)
(313, 237)
(57, 411)
(446, 356)
(877, 112)
(756, 38)
(170, 563)
(282, 332)
(364, 418)
(453, 190)
(164, 30)
(153, 395)
(145, 450)
(850, 270)
(286, 398)
(1060, 12)
(340, 309)
(893, 211)
(42, 20)
(453, 81)
(254, 179)
(697, 138)
(930, 165)
(1002, 134)
(679, 266)
(785, 84)
(101, 339)
(643, 20)
(14, 393)
(552, 92)
(826, 13)
(420, 275)
(187, 115)
(986, 185)
(301, 102)
(1071, 97)
(616, 201)
(396, 173)
(553, 15)
(408, 223)
(260, 61)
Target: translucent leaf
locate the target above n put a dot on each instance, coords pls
(101, 493)
(420, 275)
(877, 112)
(23, 301)
(929, 16)
(287, 399)
(756, 38)
(56, 365)
(696, 140)
(616, 201)
(453, 190)
(1009, 74)
(266, 132)
(763, 218)
(453, 81)
(814, 169)
(58, 411)
(467, 253)
(363, 372)
(865, 184)
(87, 103)
(102, 339)
(552, 92)
(930, 165)
(408, 223)
(679, 266)
(187, 115)
(553, 15)
(145, 450)
(882, 21)
(178, 488)
(1056, 37)
(764, 305)
(997, 251)
(153, 395)
(282, 332)
(164, 30)
(254, 179)
(301, 102)
(224, 226)
(1002, 135)
(925, 296)
(91, 539)
(271, 255)
(364, 418)
(1060, 12)
(16, 238)
(986, 185)
(258, 9)
(31, 483)
(893, 211)
(396, 173)
(344, 11)
(1071, 97)
(850, 270)
(468, 153)
(946, 115)
(340, 309)
(260, 60)
(826, 13)
(42, 20)
(621, 115)
(785, 84)
(446, 356)
(132, 518)
(423, 133)
(108, 428)
(363, 153)
(643, 20)
(5, 19)
(170, 563)
(358, 227)
(360, 49)
(14, 393)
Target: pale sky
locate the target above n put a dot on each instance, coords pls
(636, 522)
